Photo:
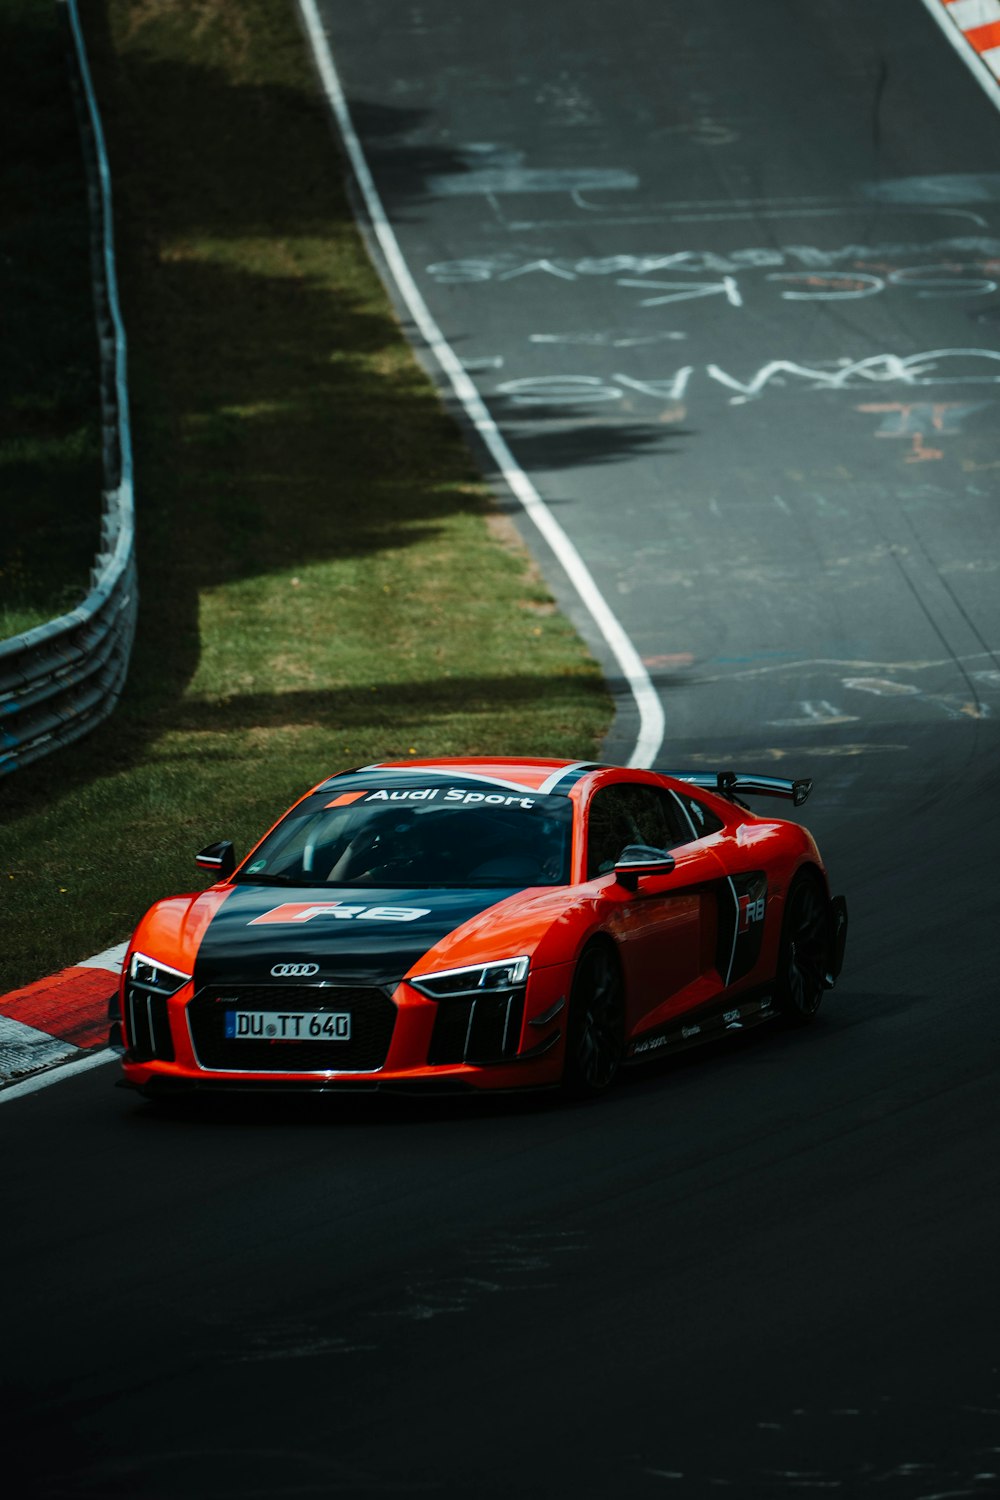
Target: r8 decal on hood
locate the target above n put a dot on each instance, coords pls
(305, 911)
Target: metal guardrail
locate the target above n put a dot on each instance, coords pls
(62, 679)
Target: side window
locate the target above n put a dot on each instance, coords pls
(630, 814)
(704, 819)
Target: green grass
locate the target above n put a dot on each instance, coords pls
(323, 579)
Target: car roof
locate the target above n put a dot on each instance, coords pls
(517, 772)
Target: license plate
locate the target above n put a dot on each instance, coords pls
(288, 1026)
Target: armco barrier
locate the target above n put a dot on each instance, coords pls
(61, 679)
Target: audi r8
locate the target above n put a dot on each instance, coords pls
(483, 924)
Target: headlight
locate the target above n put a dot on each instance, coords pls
(150, 974)
(148, 987)
(448, 984)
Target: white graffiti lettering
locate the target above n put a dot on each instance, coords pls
(932, 367)
(559, 390)
(835, 287)
(687, 291)
(960, 266)
(915, 369)
(662, 390)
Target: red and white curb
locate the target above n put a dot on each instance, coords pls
(979, 23)
(59, 1023)
(973, 28)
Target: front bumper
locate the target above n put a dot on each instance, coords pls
(400, 1041)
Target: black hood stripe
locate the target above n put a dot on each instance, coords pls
(360, 935)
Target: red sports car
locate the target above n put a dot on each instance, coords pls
(491, 924)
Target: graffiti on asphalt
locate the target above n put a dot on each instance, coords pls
(958, 267)
(933, 367)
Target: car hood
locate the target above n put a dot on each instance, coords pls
(360, 935)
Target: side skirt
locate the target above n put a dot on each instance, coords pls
(750, 1011)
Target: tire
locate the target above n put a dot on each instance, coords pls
(595, 1041)
(803, 957)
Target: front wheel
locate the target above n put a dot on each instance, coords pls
(803, 958)
(595, 1041)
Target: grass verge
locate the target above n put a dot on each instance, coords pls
(323, 579)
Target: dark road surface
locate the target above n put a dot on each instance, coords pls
(727, 276)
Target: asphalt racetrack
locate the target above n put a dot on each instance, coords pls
(727, 277)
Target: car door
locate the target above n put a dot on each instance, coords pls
(748, 849)
(666, 929)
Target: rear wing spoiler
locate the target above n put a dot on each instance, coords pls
(734, 785)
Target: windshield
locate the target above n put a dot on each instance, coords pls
(445, 835)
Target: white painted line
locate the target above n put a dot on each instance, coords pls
(979, 70)
(56, 1075)
(651, 719)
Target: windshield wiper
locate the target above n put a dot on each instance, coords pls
(268, 880)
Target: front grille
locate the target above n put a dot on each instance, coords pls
(479, 1030)
(373, 1017)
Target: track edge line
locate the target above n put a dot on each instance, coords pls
(652, 724)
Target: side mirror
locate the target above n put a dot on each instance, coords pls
(640, 859)
(219, 859)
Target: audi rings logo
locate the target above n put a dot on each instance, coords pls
(294, 971)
